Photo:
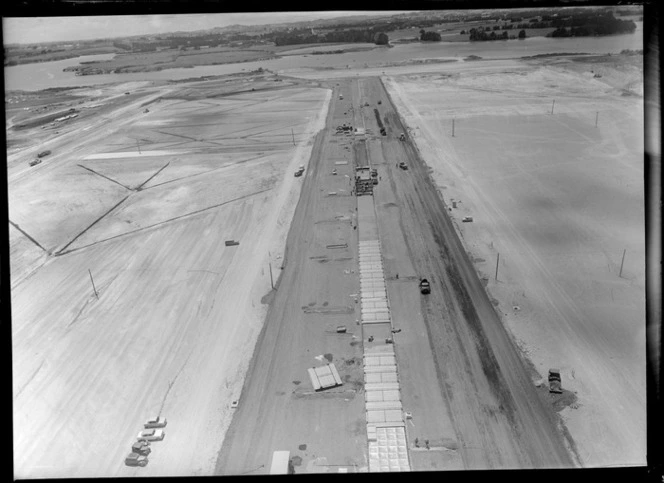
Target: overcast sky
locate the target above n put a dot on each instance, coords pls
(57, 29)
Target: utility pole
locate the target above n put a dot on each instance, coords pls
(596, 117)
(293, 136)
(452, 127)
(93, 284)
(552, 105)
(271, 281)
(621, 263)
(138, 146)
(497, 260)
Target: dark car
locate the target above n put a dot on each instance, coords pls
(141, 447)
(135, 459)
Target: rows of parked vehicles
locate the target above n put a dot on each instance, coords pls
(141, 448)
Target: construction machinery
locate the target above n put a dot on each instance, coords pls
(555, 382)
(403, 166)
(425, 286)
(402, 137)
(364, 182)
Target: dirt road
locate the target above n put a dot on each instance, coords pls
(278, 409)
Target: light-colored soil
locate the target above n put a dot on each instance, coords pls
(559, 199)
(178, 312)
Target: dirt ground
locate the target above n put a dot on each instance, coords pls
(143, 202)
(558, 199)
(141, 191)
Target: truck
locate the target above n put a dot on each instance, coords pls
(403, 166)
(35, 162)
(299, 171)
(402, 136)
(281, 463)
(555, 381)
(44, 153)
(425, 286)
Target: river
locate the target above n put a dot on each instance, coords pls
(33, 77)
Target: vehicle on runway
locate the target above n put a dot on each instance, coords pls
(151, 435)
(135, 459)
(155, 422)
(425, 286)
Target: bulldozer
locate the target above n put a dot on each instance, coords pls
(555, 381)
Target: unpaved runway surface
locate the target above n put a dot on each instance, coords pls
(474, 399)
(177, 311)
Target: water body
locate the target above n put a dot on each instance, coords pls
(33, 77)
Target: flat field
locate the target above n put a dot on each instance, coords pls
(556, 199)
(143, 202)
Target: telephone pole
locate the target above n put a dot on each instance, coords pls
(596, 117)
(552, 105)
(93, 284)
(452, 127)
(621, 263)
(497, 260)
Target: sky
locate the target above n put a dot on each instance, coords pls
(58, 29)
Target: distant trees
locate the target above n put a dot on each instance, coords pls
(381, 38)
(481, 34)
(429, 36)
(522, 34)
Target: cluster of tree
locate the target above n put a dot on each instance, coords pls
(335, 36)
(483, 34)
(429, 36)
(603, 24)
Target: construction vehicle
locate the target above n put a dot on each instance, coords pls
(425, 286)
(555, 382)
(467, 219)
(403, 165)
(299, 171)
(135, 459)
(141, 448)
(402, 137)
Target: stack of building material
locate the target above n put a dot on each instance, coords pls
(324, 377)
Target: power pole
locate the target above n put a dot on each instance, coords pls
(621, 263)
(452, 127)
(271, 281)
(596, 117)
(93, 284)
(138, 146)
(552, 105)
(497, 260)
(293, 136)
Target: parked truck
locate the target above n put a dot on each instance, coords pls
(425, 287)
